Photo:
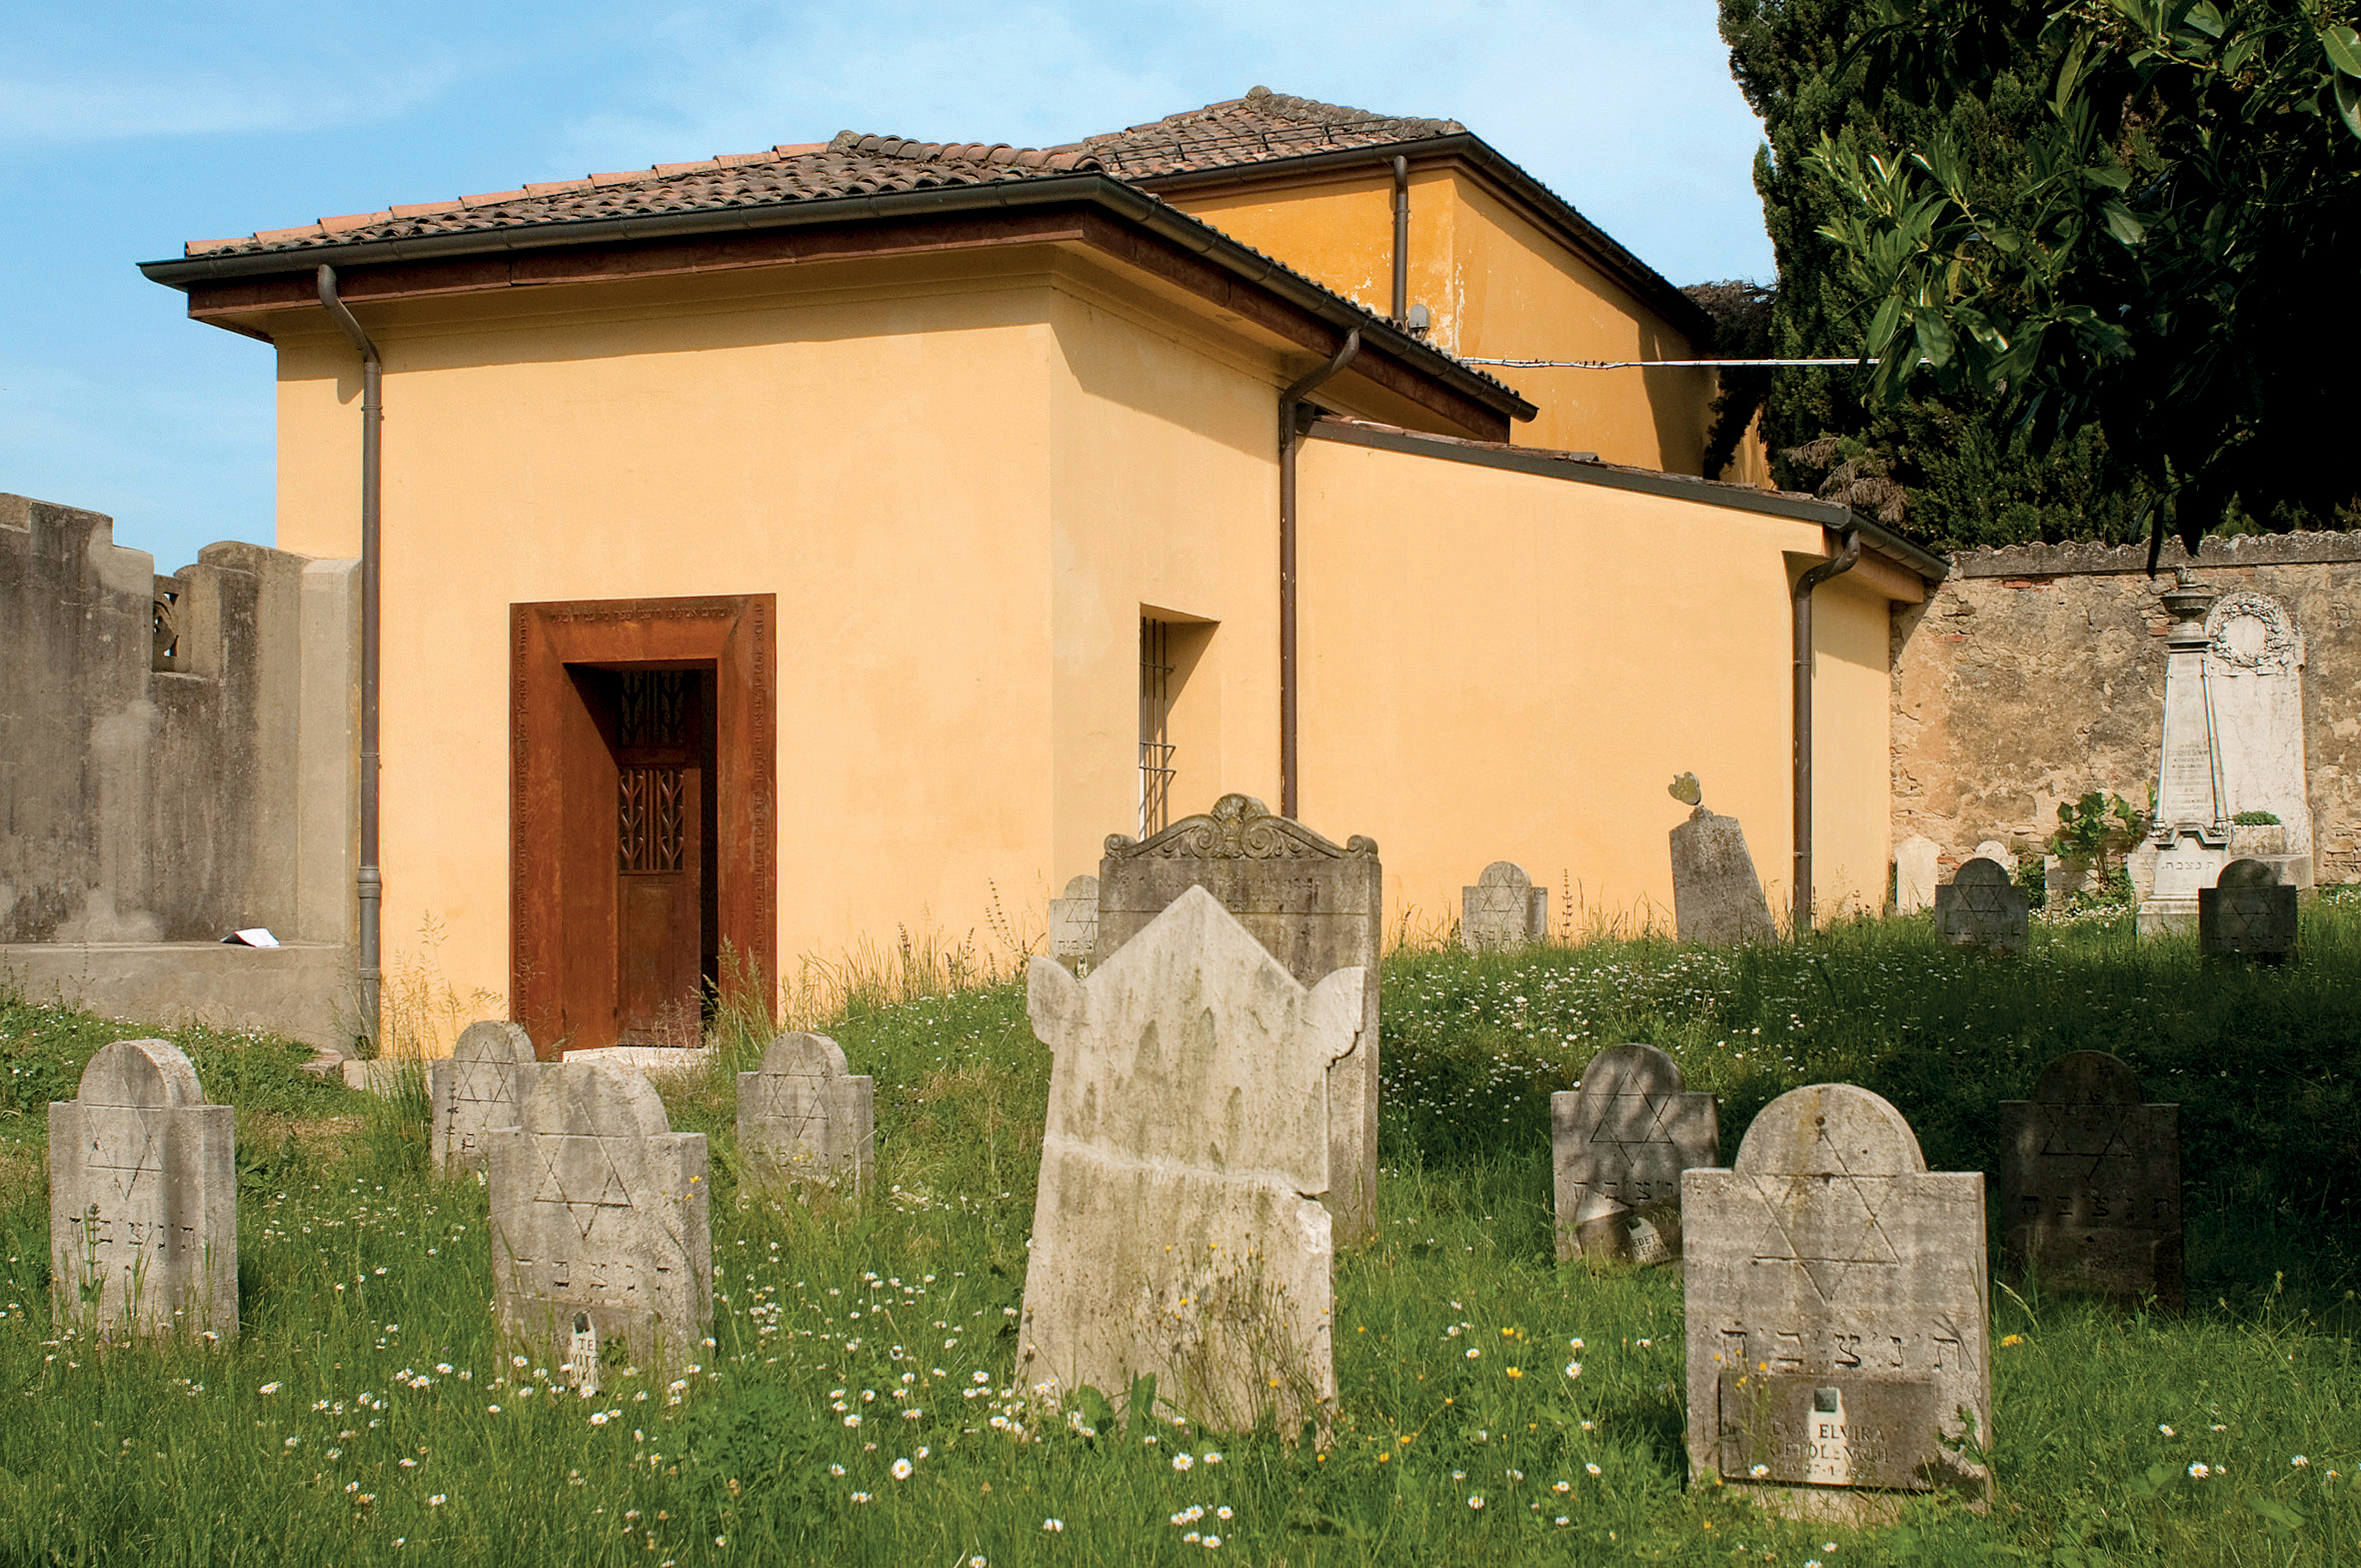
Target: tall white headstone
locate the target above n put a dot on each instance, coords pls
(2255, 678)
(1917, 860)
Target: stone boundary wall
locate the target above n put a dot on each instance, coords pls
(178, 761)
(2035, 672)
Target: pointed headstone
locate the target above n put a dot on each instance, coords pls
(143, 1198)
(482, 1085)
(2090, 1184)
(1177, 1231)
(1836, 1309)
(1621, 1138)
(600, 1248)
(1503, 910)
(803, 1116)
(1716, 897)
(1318, 907)
(1981, 907)
(2249, 913)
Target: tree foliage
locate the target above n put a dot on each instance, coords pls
(2164, 261)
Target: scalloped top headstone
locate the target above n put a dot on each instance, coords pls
(1503, 910)
(2090, 1184)
(1982, 907)
(1621, 1138)
(1073, 920)
(1836, 1307)
(482, 1085)
(1316, 906)
(1178, 1230)
(802, 1115)
(143, 1198)
(600, 1247)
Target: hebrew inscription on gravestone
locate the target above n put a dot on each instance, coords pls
(2248, 913)
(601, 1254)
(1178, 1230)
(1836, 1309)
(143, 1198)
(1621, 1139)
(1317, 906)
(803, 1116)
(479, 1086)
(1503, 910)
(2090, 1184)
(1981, 907)
(1073, 920)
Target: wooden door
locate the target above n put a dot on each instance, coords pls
(662, 729)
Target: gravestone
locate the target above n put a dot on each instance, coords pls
(1503, 910)
(1073, 920)
(1177, 1229)
(1316, 906)
(2254, 676)
(479, 1086)
(1981, 907)
(143, 1198)
(2189, 832)
(1998, 854)
(1915, 867)
(1716, 897)
(2248, 913)
(1620, 1140)
(802, 1115)
(2090, 1184)
(1836, 1310)
(600, 1248)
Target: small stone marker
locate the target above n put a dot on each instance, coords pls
(1073, 920)
(1836, 1309)
(1916, 863)
(479, 1086)
(1503, 910)
(600, 1247)
(1981, 907)
(2090, 1184)
(143, 1198)
(1178, 1230)
(1716, 897)
(803, 1115)
(1621, 1139)
(2248, 913)
(1998, 854)
(1316, 906)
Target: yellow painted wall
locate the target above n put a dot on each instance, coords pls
(1852, 792)
(1530, 662)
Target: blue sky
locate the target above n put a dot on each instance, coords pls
(128, 127)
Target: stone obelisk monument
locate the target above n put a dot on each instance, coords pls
(2190, 834)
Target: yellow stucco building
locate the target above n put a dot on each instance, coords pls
(780, 550)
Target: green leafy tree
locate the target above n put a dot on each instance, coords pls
(2169, 263)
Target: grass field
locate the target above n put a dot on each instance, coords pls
(1496, 1406)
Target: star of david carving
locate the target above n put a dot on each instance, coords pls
(579, 1174)
(1652, 1114)
(1980, 897)
(112, 1153)
(2090, 1134)
(482, 1082)
(791, 1100)
(1826, 1224)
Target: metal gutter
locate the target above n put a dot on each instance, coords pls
(1402, 242)
(1290, 403)
(1844, 560)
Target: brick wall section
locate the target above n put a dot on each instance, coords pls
(2036, 673)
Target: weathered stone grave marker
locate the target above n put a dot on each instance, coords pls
(2090, 1184)
(1503, 910)
(1177, 1229)
(1073, 920)
(143, 1198)
(1716, 897)
(2248, 913)
(800, 1114)
(479, 1086)
(1317, 906)
(1836, 1309)
(1981, 907)
(1621, 1138)
(1915, 861)
(600, 1247)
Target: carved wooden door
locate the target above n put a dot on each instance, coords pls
(662, 747)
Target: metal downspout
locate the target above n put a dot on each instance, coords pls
(1402, 241)
(1804, 584)
(1289, 405)
(369, 885)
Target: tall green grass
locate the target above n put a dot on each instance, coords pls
(1462, 1436)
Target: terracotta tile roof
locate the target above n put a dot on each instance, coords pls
(1260, 126)
(850, 165)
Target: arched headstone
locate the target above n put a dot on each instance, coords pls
(803, 1116)
(143, 1198)
(2090, 1184)
(1620, 1141)
(1178, 1230)
(1981, 907)
(1073, 920)
(1503, 910)
(2249, 913)
(482, 1085)
(1836, 1307)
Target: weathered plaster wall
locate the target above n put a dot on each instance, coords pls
(2036, 673)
